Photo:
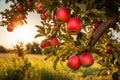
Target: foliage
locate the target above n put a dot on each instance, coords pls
(3, 49)
(34, 67)
(33, 48)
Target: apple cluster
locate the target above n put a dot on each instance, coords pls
(85, 60)
(60, 16)
(42, 10)
(73, 24)
(16, 19)
(52, 42)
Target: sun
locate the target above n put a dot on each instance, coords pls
(24, 33)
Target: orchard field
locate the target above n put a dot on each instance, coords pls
(34, 67)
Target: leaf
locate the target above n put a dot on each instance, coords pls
(40, 27)
(38, 35)
(55, 62)
(41, 30)
(48, 56)
(97, 12)
(53, 6)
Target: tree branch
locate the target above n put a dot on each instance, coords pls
(102, 28)
(112, 15)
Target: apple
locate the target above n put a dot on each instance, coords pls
(44, 15)
(19, 54)
(73, 25)
(73, 62)
(102, 59)
(10, 28)
(86, 59)
(62, 14)
(19, 23)
(108, 51)
(44, 44)
(38, 5)
(20, 16)
(39, 11)
(19, 7)
(54, 41)
(96, 25)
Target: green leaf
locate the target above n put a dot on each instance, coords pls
(97, 12)
(91, 2)
(40, 27)
(55, 62)
(38, 35)
(48, 56)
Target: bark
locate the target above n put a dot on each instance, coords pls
(102, 28)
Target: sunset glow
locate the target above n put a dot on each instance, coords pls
(22, 33)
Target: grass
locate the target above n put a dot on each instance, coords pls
(34, 67)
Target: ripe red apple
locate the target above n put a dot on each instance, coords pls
(20, 16)
(108, 51)
(96, 25)
(44, 44)
(73, 25)
(62, 14)
(19, 7)
(73, 62)
(54, 41)
(10, 28)
(86, 59)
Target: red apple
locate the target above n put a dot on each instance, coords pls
(54, 41)
(19, 23)
(19, 54)
(73, 25)
(44, 44)
(19, 7)
(10, 28)
(62, 14)
(44, 15)
(86, 59)
(96, 25)
(39, 11)
(20, 16)
(73, 62)
(108, 51)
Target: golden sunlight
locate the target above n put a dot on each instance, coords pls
(24, 33)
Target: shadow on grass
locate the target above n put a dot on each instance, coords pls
(48, 75)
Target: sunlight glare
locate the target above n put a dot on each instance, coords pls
(24, 34)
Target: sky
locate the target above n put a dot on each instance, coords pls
(23, 33)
